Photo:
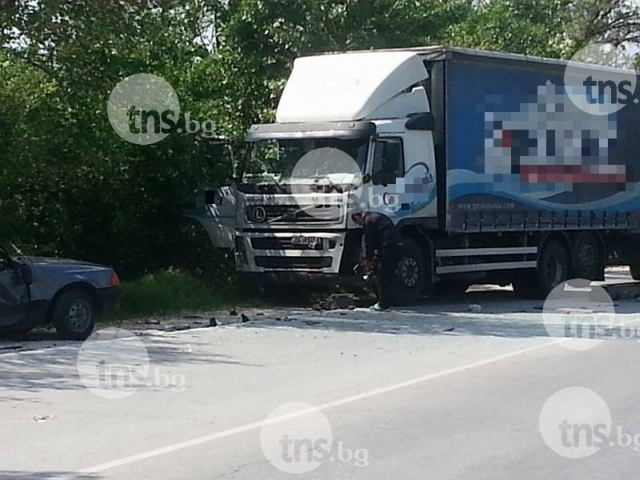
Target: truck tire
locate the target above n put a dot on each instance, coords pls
(410, 273)
(74, 314)
(552, 270)
(587, 262)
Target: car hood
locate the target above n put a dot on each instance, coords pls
(64, 264)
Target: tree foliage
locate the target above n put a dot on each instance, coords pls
(70, 186)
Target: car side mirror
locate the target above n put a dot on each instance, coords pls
(26, 273)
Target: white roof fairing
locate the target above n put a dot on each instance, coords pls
(348, 86)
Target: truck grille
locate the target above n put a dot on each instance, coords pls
(293, 263)
(279, 214)
(279, 243)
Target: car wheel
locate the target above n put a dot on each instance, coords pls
(74, 315)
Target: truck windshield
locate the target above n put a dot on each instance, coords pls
(280, 160)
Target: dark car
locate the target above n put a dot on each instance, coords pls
(68, 293)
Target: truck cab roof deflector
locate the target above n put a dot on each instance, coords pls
(291, 131)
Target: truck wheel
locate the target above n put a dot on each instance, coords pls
(587, 257)
(410, 272)
(74, 315)
(552, 270)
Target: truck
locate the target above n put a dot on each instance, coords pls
(489, 170)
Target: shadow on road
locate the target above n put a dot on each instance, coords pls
(56, 369)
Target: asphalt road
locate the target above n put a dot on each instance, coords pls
(434, 391)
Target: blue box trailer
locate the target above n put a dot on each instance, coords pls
(515, 154)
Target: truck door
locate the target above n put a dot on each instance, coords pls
(14, 296)
(402, 176)
(387, 169)
(217, 212)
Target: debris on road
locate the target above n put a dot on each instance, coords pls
(233, 312)
(213, 322)
(337, 301)
(42, 418)
(244, 318)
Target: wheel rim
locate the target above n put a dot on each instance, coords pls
(408, 271)
(79, 315)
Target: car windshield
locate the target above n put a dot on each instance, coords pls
(291, 161)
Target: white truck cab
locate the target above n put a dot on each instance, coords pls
(372, 106)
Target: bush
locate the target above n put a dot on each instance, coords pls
(172, 292)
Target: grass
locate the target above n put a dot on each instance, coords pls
(174, 293)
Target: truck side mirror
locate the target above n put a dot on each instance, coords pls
(26, 273)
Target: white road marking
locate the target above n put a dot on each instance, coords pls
(325, 406)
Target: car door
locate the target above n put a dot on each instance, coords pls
(14, 296)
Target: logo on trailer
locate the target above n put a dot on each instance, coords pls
(552, 141)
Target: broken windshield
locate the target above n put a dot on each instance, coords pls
(290, 161)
